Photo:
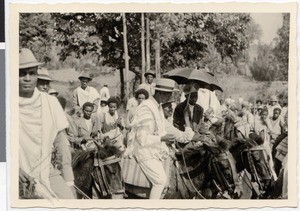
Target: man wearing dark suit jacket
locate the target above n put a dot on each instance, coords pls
(194, 110)
(87, 126)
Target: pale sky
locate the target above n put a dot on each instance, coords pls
(269, 23)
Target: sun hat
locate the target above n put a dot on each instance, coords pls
(27, 59)
(273, 98)
(103, 99)
(85, 75)
(165, 85)
(150, 73)
(43, 74)
(52, 91)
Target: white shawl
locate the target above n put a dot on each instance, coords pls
(90, 94)
(41, 118)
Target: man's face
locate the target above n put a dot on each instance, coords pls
(164, 97)
(141, 98)
(272, 103)
(112, 107)
(84, 82)
(276, 114)
(193, 98)
(27, 81)
(87, 112)
(168, 111)
(149, 79)
(43, 85)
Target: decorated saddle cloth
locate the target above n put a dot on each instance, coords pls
(133, 174)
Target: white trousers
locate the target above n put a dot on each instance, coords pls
(154, 171)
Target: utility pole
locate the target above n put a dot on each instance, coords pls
(143, 47)
(126, 57)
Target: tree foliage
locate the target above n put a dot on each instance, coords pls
(35, 33)
(265, 65)
(281, 49)
(217, 41)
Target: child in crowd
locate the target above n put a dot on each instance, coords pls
(140, 95)
(277, 124)
(112, 124)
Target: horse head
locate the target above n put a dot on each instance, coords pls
(99, 170)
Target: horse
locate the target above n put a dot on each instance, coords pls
(196, 171)
(97, 172)
(250, 155)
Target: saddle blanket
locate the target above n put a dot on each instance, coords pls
(133, 174)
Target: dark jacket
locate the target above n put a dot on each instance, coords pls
(178, 116)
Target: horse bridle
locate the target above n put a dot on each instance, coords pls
(104, 187)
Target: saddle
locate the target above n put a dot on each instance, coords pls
(100, 178)
(223, 172)
(256, 161)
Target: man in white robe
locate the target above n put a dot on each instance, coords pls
(44, 153)
(84, 93)
(149, 85)
(207, 99)
(146, 141)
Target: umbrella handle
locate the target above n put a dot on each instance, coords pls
(187, 121)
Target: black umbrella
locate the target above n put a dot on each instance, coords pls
(200, 76)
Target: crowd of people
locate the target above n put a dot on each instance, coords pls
(152, 124)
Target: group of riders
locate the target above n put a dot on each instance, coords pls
(149, 133)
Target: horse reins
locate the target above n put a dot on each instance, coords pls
(188, 174)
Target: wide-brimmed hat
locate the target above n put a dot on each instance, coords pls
(52, 91)
(103, 99)
(43, 74)
(85, 75)
(27, 59)
(165, 85)
(150, 73)
(273, 98)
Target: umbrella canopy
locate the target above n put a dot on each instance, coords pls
(200, 76)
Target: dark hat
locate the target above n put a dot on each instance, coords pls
(150, 73)
(85, 75)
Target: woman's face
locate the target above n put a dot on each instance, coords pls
(141, 98)
(112, 107)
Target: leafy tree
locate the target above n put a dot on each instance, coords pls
(35, 33)
(183, 39)
(281, 49)
(233, 33)
(265, 65)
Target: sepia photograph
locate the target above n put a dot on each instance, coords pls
(136, 104)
